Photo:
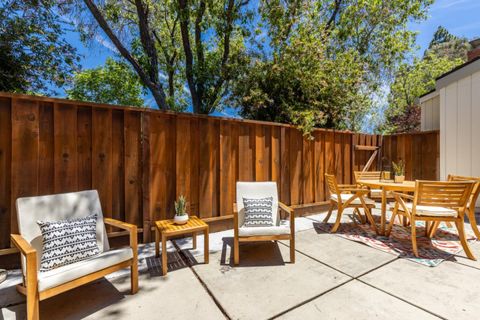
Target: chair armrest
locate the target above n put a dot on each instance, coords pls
(25, 248)
(125, 226)
(348, 186)
(403, 195)
(285, 208)
(30, 276)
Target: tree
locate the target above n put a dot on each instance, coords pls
(411, 81)
(113, 83)
(361, 43)
(445, 44)
(34, 56)
(148, 34)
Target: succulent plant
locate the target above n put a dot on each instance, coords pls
(399, 168)
(181, 206)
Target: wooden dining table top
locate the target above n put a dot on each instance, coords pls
(389, 185)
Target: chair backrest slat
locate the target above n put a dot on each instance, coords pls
(475, 190)
(367, 175)
(452, 194)
(332, 184)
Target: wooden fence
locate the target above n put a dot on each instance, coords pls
(140, 160)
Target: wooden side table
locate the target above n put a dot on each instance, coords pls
(165, 229)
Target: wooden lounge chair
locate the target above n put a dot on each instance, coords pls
(348, 196)
(256, 190)
(38, 285)
(435, 201)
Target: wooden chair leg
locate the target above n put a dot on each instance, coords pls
(427, 228)
(236, 252)
(391, 223)
(414, 238)
(461, 234)
(134, 277)
(32, 301)
(330, 209)
(337, 221)
(292, 249)
(433, 229)
(473, 223)
(362, 218)
(370, 218)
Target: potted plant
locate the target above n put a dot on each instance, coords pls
(399, 171)
(181, 216)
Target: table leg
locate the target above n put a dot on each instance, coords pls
(194, 240)
(164, 255)
(384, 212)
(157, 243)
(205, 246)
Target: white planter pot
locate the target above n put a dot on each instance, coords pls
(399, 179)
(180, 219)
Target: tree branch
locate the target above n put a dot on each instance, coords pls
(155, 88)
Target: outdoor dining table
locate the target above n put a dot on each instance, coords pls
(386, 186)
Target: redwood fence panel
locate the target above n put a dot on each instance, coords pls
(141, 160)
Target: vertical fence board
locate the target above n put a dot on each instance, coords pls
(118, 165)
(285, 168)
(46, 168)
(84, 148)
(319, 166)
(5, 171)
(25, 143)
(308, 171)
(65, 118)
(133, 169)
(102, 157)
(296, 175)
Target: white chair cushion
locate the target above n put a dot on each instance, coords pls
(347, 196)
(257, 190)
(58, 276)
(263, 231)
(431, 211)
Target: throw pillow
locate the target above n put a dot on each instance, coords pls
(258, 212)
(69, 241)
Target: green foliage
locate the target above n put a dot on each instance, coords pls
(33, 53)
(320, 63)
(181, 206)
(411, 81)
(113, 83)
(446, 45)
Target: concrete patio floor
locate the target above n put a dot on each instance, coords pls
(333, 278)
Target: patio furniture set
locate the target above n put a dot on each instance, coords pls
(430, 201)
(63, 240)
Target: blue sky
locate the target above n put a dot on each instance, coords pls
(460, 17)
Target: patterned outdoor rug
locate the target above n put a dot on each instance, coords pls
(432, 252)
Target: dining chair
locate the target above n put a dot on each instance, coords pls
(348, 196)
(276, 230)
(470, 206)
(434, 201)
(375, 194)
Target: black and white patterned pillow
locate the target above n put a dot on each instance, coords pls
(258, 212)
(68, 241)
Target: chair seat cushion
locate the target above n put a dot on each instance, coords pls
(431, 211)
(263, 231)
(61, 275)
(347, 196)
